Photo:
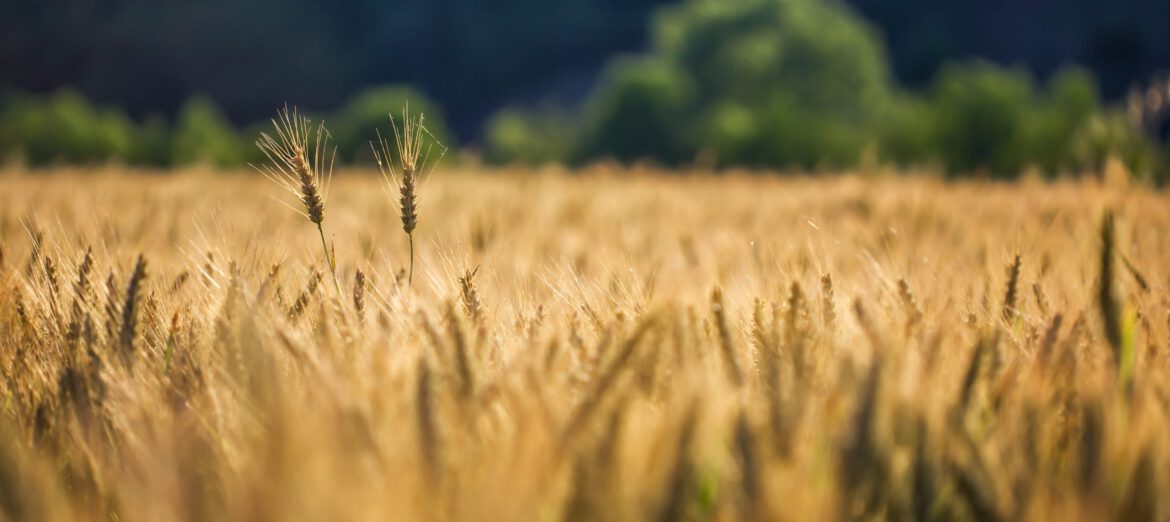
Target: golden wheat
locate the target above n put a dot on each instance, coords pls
(633, 345)
(412, 149)
(302, 164)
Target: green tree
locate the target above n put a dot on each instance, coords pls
(1109, 136)
(64, 127)
(989, 118)
(906, 132)
(760, 82)
(815, 52)
(369, 112)
(981, 118)
(1069, 104)
(153, 143)
(639, 111)
(203, 135)
(532, 137)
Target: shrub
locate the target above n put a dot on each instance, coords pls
(153, 143)
(63, 127)
(203, 135)
(817, 54)
(769, 82)
(1110, 136)
(529, 136)
(994, 119)
(639, 111)
(905, 132)
(1070, 102)
(980, 118)
(355, 124)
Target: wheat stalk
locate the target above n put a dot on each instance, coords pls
(129, 309)
(828, 305)
(428, 430)
(464, 363)
(412, 164)
(748, 458)
(726, 344)
(359, 295)
(302, 164)
(470, 296)
(302, 301)
(1011, 293)
(80, 293)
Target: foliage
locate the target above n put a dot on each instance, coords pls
(529, 136)
(758, 82)
(980, 118)
(1066, 108)
(203, 135)
(1110, 136)
(153, 146)
(473, 55)
(370, 111)
(252, 56)
(638, 111)
(64, 128)
(905, 132)
(783, 83)
(774, 84)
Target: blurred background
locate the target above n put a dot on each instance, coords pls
(972, 87)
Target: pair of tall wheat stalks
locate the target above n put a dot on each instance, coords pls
(307, 172)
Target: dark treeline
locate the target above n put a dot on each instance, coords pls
(474, 57)
(809, 84)
(1119, 41)
(252, 55)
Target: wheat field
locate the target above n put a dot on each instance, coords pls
(608, 344)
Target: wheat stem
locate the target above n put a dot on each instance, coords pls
(329, 259)
(410, 275)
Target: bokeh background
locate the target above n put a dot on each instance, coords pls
(969, 87)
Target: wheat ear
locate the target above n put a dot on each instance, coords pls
(302, 163)
(412, 164)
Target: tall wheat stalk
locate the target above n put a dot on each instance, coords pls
(412, 163)
(304, 171)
